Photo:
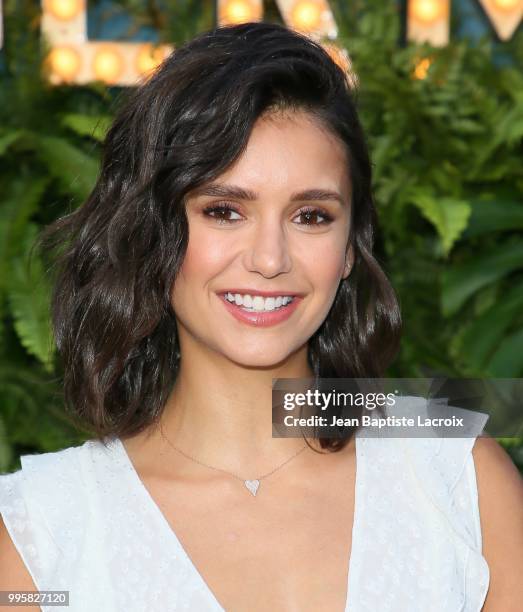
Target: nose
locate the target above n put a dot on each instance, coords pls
(267, 250)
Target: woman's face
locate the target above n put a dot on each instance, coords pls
(270, 237)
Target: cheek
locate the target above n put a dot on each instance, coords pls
(200, 260)
(325, 266)
(206, 256)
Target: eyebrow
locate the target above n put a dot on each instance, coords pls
(239, 193)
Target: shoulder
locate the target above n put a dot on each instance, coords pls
(500, 494)
(492, 463)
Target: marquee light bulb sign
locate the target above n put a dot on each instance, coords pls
(75, 59)
(429, 20)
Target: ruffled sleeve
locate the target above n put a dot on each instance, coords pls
(445, 471)
(465, 504)
(56, 487)
(43, 507)
(52, 512)
(27, 527)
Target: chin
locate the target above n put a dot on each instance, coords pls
(258, 359)
(262, 355)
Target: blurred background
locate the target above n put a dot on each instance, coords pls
(440, 93)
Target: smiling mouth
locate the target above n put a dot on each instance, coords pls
(258, 303)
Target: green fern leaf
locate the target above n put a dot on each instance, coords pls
(75, 171)
(29, 294)
(85, 125)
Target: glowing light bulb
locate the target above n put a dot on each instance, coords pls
(107, 64)
(422, 68)
(428, 10)
(64, 9)
(306, 15)
(238, 11)
(148, 58)
(507, 5)
(64, 63)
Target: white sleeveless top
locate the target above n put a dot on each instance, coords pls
(83, 521)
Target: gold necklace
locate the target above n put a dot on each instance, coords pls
(252, 485)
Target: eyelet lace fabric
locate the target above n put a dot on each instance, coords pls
(82, 522)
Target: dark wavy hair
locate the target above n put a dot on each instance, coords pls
(117, 255)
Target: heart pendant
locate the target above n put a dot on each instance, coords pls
(252, 485)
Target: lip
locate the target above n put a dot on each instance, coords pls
(248, 291)
(262, 319)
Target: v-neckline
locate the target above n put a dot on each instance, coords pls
(171, 534)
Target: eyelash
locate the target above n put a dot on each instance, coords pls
(327, 218)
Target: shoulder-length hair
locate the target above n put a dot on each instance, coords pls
(119, 253)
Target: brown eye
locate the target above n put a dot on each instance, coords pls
(310, 216)
(221, 213)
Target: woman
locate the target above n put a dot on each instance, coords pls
(228, 242)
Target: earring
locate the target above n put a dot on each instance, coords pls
(347, 270)
(348, 264)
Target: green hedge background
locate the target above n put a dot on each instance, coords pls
(448, 179)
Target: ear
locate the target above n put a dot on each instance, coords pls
(349, 261)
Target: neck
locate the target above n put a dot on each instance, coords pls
(220, 413)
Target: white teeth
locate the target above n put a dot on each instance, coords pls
(258, 303)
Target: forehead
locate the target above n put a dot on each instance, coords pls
(287, 151)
